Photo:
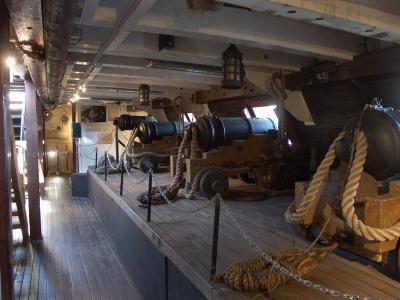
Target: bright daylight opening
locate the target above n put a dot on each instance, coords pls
(190, 118)
(267, 112)
(16, 100)
(246, 112)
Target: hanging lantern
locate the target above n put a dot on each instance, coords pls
(144, 95)
(232, 68)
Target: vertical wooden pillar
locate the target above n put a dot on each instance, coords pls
(32, 155)
(6, 270)
(75, 161)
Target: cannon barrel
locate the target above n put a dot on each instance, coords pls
(151, 130)
(215, 132)
(382, 129)
(128, 122)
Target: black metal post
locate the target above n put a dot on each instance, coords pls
(149, 195)
(121, 184)
(116, 144)
(105, 165)
(95, 162)
(214, 253)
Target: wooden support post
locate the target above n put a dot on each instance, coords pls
(18, 185)
(6, 269)
(32, 152)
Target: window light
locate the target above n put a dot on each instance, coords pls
(267, 112)
(246, 112)
(189, 117)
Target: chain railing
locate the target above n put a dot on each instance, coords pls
(181, 210)
(132, 178)
(325, 290)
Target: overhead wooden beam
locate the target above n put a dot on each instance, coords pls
(383, 63)
(152, 81)
(254, 29)
(143, 46)
(348, 16)
(6, 269)
(248, 90)
(32, 155)
(26, 16)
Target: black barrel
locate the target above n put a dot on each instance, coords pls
(151, 130)
(128, 122)
(215, 132)
(382, 129)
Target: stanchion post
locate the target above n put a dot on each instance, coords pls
(214, 253)
(149, 195)
(121, 184)
(105, 165)
(95, 161)
(116, 144)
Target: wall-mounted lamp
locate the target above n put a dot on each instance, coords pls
(82, 87)
(10, 61)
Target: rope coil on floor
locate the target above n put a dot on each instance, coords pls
(268, 272)
(257, 274)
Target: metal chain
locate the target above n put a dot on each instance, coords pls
(110, 164)
(181, 210)
(133, 179)
(87, 154)
(243, 232)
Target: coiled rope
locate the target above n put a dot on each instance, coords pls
(260, 275)
(296, 215)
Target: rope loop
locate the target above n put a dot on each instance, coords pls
(296, 214)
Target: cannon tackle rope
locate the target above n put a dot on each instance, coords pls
(310, 198)
(295, 215)
(350, 191)
(177, 182)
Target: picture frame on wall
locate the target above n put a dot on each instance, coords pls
(93, 114)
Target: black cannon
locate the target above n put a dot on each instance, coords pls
(128, 122)
(215, 132)
(382, 130)
(151, 130)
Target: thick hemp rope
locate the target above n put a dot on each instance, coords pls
(116, 168)
(171, 190)
(350, 191)
(295, 215)
(310, 198)
(259, 275)
(194, 151)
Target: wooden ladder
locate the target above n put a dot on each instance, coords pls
(19, 220)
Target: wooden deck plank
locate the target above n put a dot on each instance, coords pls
(75, 259)
(171, 231)
(26, 280)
